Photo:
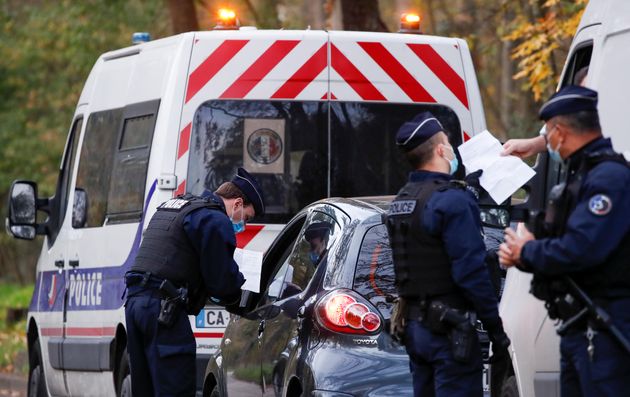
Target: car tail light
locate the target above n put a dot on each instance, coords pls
(346, 312)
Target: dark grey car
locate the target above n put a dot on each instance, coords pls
(320, 326)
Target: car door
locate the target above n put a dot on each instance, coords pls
(241, 346)
(298, 278)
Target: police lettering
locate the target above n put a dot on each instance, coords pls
(402, 207)
(174, 204)
(85, 289)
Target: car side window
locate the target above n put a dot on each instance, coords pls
(302, 258)
(374, 275)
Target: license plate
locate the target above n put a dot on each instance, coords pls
(212, 318)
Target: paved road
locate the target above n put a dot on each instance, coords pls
(12, 385)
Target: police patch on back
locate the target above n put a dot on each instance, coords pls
(402, 207)
(174, 204)
(600, 204)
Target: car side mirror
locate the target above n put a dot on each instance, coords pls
(496, 217)
(22, 219)
(79, 208)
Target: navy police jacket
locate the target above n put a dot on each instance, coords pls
(211, 234)
(453, 214)
(597, 224)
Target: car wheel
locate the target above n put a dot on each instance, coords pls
(36, 378)
(510, 388)
(123, 383)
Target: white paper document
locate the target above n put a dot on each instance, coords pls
(502, 175)
(250, 264)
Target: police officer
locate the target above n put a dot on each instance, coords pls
(186, 253)
(588, 238)
(435, 232)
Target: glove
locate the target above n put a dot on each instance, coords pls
(500, 344)
(472, 183)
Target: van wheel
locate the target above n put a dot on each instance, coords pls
(123, 383)
(510, 388)
(36, 378)
(215, 391)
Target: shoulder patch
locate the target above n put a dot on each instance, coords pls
(402, 207)
(600, 204)
(174, 204)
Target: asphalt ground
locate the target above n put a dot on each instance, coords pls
(12, 385)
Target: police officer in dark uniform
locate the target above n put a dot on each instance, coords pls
(586, 236)
(435, 232)
(186, 255)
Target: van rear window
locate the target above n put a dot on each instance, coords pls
(304, 151)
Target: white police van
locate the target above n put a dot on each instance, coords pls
(311, 114)
(601, 42)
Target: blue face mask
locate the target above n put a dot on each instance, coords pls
(454, 163)
(554, 154)
(313, 256)
(239, 226)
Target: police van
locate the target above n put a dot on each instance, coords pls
(601, 43)
(311, 114)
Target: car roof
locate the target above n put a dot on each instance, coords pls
(359, 208)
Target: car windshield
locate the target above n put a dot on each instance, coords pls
(374, 274)
(304, 151)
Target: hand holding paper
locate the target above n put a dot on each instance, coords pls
(502, 175)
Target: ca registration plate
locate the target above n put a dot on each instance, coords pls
(212, 318)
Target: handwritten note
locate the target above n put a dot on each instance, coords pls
(502, 175)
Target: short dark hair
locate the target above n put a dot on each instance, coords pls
(423, 153)
(229, 190)
(581, 122)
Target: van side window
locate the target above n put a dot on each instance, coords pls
(65, 178)
(129, 174)
(580, 59)
(95, 163)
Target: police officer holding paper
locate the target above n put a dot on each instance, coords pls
(435, 232)
(186, 253)
(580, 253)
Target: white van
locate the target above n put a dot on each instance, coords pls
(311, 114)
(602, 42)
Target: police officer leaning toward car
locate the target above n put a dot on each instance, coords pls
(586, 236)
(435, 232)
(186, 253)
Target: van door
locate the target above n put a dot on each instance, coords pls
(106, 224)
(50, 298)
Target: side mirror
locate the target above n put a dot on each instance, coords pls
(22, 219)
(496, 217)
(79, 209)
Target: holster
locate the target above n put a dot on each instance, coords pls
(173, 301)
(442, 319)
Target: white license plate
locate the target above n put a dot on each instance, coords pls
(212, 318)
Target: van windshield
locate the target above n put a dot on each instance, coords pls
(301, 152)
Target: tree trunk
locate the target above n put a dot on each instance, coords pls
(183, 16)
(314, 11)
(362, 16)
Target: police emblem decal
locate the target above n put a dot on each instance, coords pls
(600, 204)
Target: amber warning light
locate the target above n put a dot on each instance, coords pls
(410, 23)
(226, 20)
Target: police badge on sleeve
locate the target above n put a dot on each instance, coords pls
(600, 204)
